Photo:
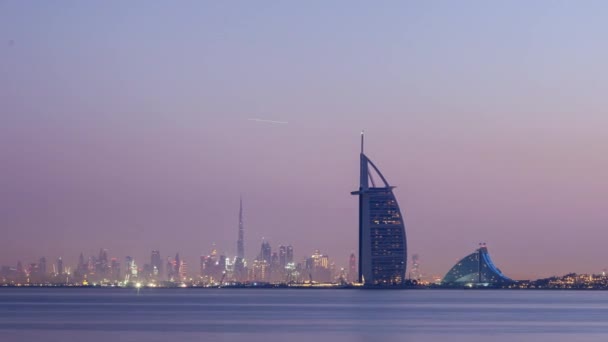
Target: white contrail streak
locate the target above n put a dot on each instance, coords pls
(269, 121)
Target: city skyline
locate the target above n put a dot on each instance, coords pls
(382, 255)
(137, 128)
(215, 268)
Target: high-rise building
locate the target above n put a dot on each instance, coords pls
(352, 268)
(262, 265)
(115, 269)
(101, 265)
(282, 256)
(265, 252)
(42, 266)
(276, 273)
(169, 269)
(240, 244)
(81, 264)
(59, 266)
(318, 267)
(260, 271)
(81, 269)
(203, 266)
(415, 272)
(240, 274)
(183, 270)
(221, 264)
(177, 264)
(382, 240)
(156, 264)
(131, 270)
(289, 254)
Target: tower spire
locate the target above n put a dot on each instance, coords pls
(362, 136)
(363, 171)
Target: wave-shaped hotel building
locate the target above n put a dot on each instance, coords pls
(476, 269)
(382, 240)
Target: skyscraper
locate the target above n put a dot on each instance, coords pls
(115, 267)
(169, 269)
(415, 272)
(382, 240)
(265, 252)
(282, 256)
(240, 245)
(177, 266)
(156, 263)
(289, 256)
(42, 266)
(239, 263)
(130, 269)
(318, 267)
(352, 268)
(101, 264)
(183, 270)
(60, 266)
(81, 264)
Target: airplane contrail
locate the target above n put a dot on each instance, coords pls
(269, 121)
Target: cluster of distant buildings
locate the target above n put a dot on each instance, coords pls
(382, 259)
(268, 267)
(214, 270)
(568, 281)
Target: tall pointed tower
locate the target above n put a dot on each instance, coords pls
(239, 262)
(240, 245)
(382, 240)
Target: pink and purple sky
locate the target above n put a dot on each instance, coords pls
(125, 126)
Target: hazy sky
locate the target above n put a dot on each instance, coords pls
(124, 125)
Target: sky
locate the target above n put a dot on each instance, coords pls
(126, 126)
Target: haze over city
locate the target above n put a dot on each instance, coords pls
(139, 127)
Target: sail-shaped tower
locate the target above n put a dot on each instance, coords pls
(382, 240)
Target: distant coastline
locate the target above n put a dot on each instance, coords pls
(568, 282)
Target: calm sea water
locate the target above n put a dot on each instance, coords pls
(96, 315)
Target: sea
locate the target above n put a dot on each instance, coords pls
(317, 315)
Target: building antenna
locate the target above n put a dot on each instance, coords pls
(362, 136)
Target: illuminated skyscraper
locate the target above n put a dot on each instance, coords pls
(415, 272)
(177, 264)
(130, 269)
(318, 267)
(60, 266)
(202, 265)
(157, 263)
(382, 240)
(240, 245)
(239, 263)
(183, 270)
